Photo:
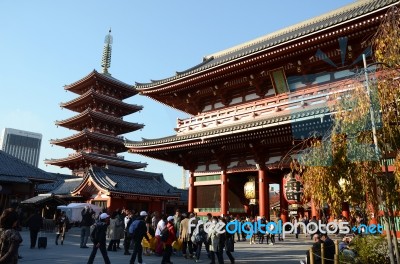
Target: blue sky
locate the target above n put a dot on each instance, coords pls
(47, 44)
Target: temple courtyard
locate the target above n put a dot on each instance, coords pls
(287, 252)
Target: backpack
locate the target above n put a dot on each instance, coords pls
(199, 235)
(164, 234)
(197, 238)
(95, 234)
(194, 235)
(133, 227)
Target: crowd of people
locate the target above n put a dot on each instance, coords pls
(181, 234)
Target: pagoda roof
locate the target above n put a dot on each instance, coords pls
(77, 87)
(13, 169)
(91, 114)
(116, 180)
(200, 137)
(52, 186)
(87, 134)
(92, 94)
(316, 25)
(95, 158)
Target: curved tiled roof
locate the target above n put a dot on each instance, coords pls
(91, 93)
(275, 120)
(60, 178)
(101, 75)
(306, 28)
(184, 193)
(44, 199)
(97, 115)
(120, 180)
(14, 179)
(95, 158)
(89, 134)
(66, 187)
(12, 168)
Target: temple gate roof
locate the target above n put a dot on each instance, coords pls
(295, 33)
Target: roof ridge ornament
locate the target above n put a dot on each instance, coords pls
(106, 60)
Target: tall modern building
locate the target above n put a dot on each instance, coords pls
(23, 145)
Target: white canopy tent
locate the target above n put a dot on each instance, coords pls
(73, 210)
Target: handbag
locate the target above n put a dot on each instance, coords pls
(153, 243)
(177, 244)
(145, 243)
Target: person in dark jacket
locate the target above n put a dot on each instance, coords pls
(314, 227)
(128, 219)
(87, 220)
(100, 240)
(329, 249)
(10, 238)
(62, 223)
(229, 241)
(168, 244)
(200, 236)
(316, 250)
(221, 244)
(138, 230)
(35, 223)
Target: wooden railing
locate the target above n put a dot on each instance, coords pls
(277, 105)
(218, 209)
(322, 257)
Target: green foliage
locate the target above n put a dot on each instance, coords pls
(371, 249)
(347, 259)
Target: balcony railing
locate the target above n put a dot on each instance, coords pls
(277, 105)
(217, 209)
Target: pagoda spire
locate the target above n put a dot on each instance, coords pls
(106, 60)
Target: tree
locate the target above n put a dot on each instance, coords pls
(387, 52)
(343, 167)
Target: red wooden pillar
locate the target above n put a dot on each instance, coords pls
(372, 217)
(109, 204)
(346, 210)
(192, 193)
(283, 204)
(331, 216)
(224, 193)
(267, 205)
(261, 192)
(247, 209)
(314, 211)
(163, 207)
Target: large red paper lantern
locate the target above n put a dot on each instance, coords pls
(293, 188)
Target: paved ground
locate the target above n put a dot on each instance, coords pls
(287, 252)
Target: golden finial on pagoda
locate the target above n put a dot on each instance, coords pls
(106, 60)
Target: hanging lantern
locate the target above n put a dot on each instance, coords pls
(250, 190)
(293, 188)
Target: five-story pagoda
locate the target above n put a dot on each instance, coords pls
(99, 121)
